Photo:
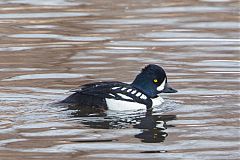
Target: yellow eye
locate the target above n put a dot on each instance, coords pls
(155, 80)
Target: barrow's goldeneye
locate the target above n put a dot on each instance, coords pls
(142, 93)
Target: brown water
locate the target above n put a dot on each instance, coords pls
(49, 47)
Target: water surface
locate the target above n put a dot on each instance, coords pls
(48, 48)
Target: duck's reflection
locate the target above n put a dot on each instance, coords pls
(153, 125)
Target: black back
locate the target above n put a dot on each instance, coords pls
(91, 95)
(94, 94)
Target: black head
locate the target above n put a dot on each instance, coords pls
(152, 80)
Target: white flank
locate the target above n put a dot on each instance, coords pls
(161, 87)
(124, 96)
(120, 105)
(157, 101)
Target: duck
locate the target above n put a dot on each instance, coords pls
(143, 93)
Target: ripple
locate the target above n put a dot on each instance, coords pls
(141, 59)
(21, 69)
(46, 76)
(206, 144)
(40, 26)
(179, 35)
(107, 30)
(7, 141)
(41, 125)
(218, 63)
(169, 155)
(195, 80)
(178, 42)
(221, 1)
(91, 62)
(77, 57)
(18, 97)
(15, 48)
(149, 21)
(118, 50)
(206, 92)
(184, 9)
(42, 15)
(92, 146)
(60, 37)
(48, 3)
(213, 25)
(34, 89)
(219, 49)
(55, 132)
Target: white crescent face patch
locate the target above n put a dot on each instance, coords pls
(161, 87)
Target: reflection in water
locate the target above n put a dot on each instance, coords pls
(152, 125)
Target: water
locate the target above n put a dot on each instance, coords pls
(48, 48)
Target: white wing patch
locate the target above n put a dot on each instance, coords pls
(138, 94)
(114, 88)
(161, 87)
(124, 96)
(111, 94)
(129, 90)
(123, 89)
(133, 92)
(143, 96)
